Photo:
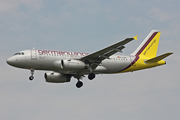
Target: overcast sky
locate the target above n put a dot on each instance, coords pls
(87, 26)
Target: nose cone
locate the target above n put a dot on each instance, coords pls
(10, 61)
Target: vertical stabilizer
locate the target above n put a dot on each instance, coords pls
(149, 46)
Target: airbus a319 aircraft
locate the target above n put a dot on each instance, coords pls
(78, 64)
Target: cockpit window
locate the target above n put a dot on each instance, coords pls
(19, 53)
(16, 54)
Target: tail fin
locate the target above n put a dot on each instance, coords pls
(149, 46)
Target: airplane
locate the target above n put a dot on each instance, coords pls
(65, 65)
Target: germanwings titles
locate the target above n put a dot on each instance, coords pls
(66, 65)
(56, 53)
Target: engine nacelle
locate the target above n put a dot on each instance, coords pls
(73, 64)
(70, 64)
(57, 77)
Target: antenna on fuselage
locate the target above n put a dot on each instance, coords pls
(33, 48)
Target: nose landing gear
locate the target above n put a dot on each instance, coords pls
(32, 73)
(31, 77)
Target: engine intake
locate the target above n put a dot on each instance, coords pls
(57, 77)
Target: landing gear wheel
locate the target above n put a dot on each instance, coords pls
(91, 76)
(79, 84)
(31, 78)
(32, 73)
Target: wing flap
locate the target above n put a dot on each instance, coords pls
(156, 59)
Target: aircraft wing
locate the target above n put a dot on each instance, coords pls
(95, 58)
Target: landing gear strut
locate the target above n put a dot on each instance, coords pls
(91, 76)
(32, 73)
(79, 83)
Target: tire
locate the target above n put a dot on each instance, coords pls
(31, 78)
(91, 76)
(79, 84)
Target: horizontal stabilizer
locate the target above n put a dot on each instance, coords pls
(156, 59)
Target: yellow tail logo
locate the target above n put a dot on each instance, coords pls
(149, 46)
(145, 54)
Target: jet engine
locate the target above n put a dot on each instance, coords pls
(57, 77)
(70, 64)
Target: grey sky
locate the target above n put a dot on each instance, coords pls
(87, 26)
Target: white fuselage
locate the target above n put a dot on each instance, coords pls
(44, 60)
(65, 65)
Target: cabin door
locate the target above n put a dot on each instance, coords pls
(33, 55)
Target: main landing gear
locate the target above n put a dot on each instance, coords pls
(32, 73)
(91, 76)
(79, 84)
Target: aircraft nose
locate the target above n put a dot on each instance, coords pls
(10, 61)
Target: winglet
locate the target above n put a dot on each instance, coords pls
(135, 37)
